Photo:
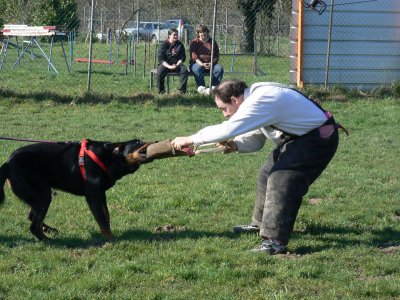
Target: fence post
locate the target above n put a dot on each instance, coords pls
(328, 51)
(255, 54)
(90, 48)
(226, 28)
(212, 44)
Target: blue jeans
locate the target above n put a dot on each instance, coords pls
(199, 72)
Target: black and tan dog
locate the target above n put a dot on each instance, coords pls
(86, 168)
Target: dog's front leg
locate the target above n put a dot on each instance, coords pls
(96, 200)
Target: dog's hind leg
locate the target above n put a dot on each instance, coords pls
(38, 212)
(35, 193)
(46, 228)
(98, 206)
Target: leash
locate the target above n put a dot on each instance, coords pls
(31, 140)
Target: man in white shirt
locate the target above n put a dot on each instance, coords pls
(306, 139)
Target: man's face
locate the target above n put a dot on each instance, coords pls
(203, 36)
(229, 109)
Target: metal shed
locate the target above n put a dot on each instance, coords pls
(352, 43)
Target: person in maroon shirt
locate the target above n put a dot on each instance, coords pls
(200, 59)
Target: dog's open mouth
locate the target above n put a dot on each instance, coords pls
(139, 155)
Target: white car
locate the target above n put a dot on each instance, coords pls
(183, 26)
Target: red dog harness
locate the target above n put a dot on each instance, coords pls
(92, 155)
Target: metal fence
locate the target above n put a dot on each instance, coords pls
(353, 44)
(102, 58)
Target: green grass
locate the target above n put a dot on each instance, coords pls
(346, 239)
(346, 242)
(117, 80)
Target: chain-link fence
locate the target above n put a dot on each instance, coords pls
(101, 51)
(347, 43)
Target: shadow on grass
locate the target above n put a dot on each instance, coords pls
(97, 240)
(330, 237)
(342, 237)
(94, 98)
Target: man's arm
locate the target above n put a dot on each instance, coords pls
(250, 141)
(162, 56)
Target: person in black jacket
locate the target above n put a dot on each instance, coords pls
(171, 56)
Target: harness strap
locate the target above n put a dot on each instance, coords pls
(92, 155)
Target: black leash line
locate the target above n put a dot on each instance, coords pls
(31, 140)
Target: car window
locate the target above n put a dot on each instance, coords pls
(155, 26)
(165, 26)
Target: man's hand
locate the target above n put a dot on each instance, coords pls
(172, 67)
(207, 66)
(182, 141)
(230, 146)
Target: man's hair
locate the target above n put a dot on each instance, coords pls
(171, 30)
(202, 28)
(229, 88)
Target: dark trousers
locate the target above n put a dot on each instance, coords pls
(286, 176)
(162, 73)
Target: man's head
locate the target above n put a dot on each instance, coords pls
(202, 29)
(229, 95)
(202, 32)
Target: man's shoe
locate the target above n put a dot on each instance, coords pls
(246, 229)
(201, 90)
(268, 246)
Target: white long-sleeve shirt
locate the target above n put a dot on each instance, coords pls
(265, 104)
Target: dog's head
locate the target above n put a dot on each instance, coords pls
(127, 156)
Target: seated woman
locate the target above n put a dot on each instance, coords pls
(171, 56)
(200, 56)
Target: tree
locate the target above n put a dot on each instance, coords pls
(40, 12)
(56, 12)
(250, 9)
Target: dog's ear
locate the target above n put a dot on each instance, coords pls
(113, 147)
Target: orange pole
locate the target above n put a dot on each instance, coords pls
(300, 82)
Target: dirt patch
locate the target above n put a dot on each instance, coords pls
(390, 249)
(166, 232)
(315, 201)
(170, 228)
(289, 255)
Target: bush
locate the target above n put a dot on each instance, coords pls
(396, 89)
(381, 92)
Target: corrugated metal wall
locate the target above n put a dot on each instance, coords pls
(364, 47)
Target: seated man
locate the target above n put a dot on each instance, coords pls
(200, 56)
(171, 56)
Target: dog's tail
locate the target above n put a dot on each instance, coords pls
(3, 177)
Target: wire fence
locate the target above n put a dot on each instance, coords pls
(97, 52)
(348, 43)
(99, 49)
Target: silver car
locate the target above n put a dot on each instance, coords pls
(145, 30)
(183, 26)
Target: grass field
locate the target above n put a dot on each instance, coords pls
(172, 219)
(117, 80)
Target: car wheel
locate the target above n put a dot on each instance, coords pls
(154, 39)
